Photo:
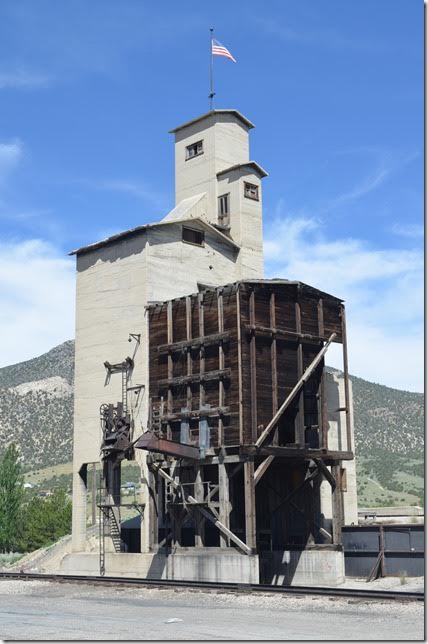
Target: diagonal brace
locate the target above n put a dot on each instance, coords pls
(308, 372)
(192, 501)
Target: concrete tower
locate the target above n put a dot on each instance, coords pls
(212, 236)
(212, 160)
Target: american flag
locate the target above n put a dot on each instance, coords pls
(218, 49)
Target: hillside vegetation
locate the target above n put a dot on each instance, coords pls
(36, 412)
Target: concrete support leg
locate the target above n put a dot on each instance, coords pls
(223, 495)
(79, 509)
(199, 496)
(146, 530)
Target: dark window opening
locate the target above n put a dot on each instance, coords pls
(192, 236)
(223, 210)
(251, 191)
(194, 150)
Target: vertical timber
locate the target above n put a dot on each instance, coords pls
(170, 365)
(273, 356)
(253, 377)
(300, 418)
(346, 377)
(240, 390)
(220, 365)
(250, 505)
(337, 503)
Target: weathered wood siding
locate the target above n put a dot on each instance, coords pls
(276, 322)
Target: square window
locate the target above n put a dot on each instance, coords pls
(194, 150)
(251, 191)
(192, 236)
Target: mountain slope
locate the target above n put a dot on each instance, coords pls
(36, 407)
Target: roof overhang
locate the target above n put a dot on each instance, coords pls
(142, 229)
(235, 113)
(250, 164)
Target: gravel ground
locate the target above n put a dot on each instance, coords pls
(53, 611)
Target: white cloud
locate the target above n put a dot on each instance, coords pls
(11, 154)
(37, 296)
(382, 289)
(21, 78)
(412, 231)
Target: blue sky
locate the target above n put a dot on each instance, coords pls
(89, 90)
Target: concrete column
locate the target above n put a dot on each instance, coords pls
(78, 542)
(199, 496)
(335, 393)
(223, 495)
(145, 498)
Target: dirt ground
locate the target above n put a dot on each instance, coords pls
(65, 611)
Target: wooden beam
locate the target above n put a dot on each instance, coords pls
(300, 417)
(212, 412)
(297, 453)
(189, 356)
(274, 361)
(170, 365)
(220, 461)
(346, 377)
(337, 505)
(220, 315)
(250, 505)
(192, 501)
(240, 390)
(253, 374)
(325, 472)
(200, 378)
(201, 349)
(194, 343)
(283, 334)
(315, 362)
(290, 495)
(262, 468)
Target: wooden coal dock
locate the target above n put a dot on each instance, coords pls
(238, 427)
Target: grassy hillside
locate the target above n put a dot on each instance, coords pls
(38, 416)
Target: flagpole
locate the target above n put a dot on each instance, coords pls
(212, 93)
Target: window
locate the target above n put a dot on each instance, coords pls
(223, 210)
(192, 236)
(251, 191)
(194, 150)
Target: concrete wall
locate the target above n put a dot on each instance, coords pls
(175, 268)
(114, 284)
(225, 143)
(111, 295)
(312, 567)
(335, 391)
(205, 564)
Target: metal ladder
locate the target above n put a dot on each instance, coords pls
(108, 526)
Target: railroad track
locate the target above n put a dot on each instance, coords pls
(356, 593)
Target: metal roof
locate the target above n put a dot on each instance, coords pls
(237, 114)
(252, 164)
(139, 229)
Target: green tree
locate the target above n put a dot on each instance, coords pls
(45, 520)
(11, 497)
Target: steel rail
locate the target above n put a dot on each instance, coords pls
(358, 593)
